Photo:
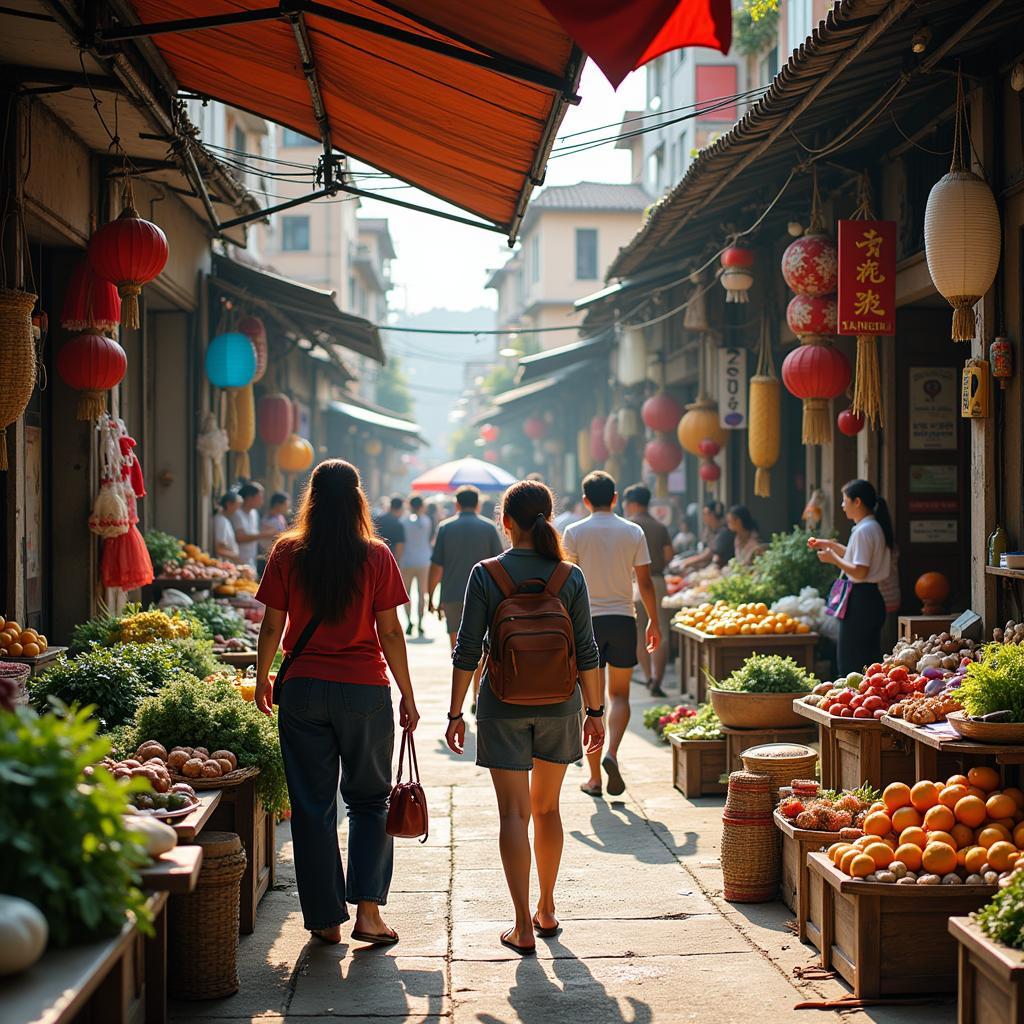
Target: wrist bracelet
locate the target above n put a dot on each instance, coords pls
(454, 718)
(595, 712)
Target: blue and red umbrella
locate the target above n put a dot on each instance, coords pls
(449, 477)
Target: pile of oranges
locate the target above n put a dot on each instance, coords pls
(16, 642)
(754, 619)
(963, 829)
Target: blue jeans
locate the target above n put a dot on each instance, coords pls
(323, 723)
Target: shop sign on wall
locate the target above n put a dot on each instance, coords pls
(934, 407)
(932, 531)
(867, 277)
(933, 479)
(732, 388)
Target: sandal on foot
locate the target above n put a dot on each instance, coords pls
(521, 950)
(546, 933)
(388, 938)
(320, 937)
(616, 787)
(590, 790)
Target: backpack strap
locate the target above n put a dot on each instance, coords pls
(500, 575)
(558, 578)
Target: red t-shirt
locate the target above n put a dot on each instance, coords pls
(346, 651)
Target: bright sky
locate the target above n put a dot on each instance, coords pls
(441, 264)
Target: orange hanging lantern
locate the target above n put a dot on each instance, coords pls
(295, 455)
(700, 422)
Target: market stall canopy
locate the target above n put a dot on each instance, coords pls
(581, 355)
(449, 477)
(461, 98)
(300, 309)
(379, 420)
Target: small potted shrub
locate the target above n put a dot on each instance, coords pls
(760, 694)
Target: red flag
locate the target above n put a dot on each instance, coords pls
(621, 37)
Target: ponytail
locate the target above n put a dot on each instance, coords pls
(529, 504)
(546, 541)
(865, 491)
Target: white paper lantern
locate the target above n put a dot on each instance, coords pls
(629, 424)
(632, 361)
(736, 281)
(961, 244)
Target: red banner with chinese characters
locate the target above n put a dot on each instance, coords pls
(867, 277)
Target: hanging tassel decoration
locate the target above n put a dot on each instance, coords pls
(867, 378)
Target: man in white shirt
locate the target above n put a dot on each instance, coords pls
(611, 550)
(246, 521)
(225, 544)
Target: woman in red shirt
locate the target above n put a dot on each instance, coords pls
(335, 704)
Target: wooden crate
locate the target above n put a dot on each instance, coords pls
(697, 766)
(797, 843)
(991, 977)
(719, 656)
(241, 811)
(738, 740)
(887, 940)
(859, 750)
(913, 626)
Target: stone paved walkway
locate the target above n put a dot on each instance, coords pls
(646, 937)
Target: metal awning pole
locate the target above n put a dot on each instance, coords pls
(298, 24)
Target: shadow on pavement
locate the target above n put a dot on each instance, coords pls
(610, 836)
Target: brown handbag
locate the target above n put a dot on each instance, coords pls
(407, 808)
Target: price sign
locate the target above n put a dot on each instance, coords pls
(732, 388)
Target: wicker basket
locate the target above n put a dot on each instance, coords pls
(203, 925)
(235, 778)
(781, 762)
(18, 366)
(751, 850)
(16, 672)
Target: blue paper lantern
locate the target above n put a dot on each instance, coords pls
(231, 360)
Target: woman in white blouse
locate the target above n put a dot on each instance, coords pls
(865, 562)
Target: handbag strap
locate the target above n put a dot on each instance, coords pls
(305, 636)
(414, 768)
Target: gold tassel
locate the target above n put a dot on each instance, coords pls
(867, 387)
(130, 305)
(817, 423)
(963, 319)
(91, 405)
(763, 483)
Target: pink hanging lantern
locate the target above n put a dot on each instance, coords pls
(662, 455)
(535, 428)
(662, 413)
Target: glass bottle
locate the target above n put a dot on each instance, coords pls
(997, 544)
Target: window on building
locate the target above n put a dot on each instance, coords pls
(535, 258)
(239, 138)
(295, 234)
(655, 73)
(770, 65)
(290, 138)
(655, 170)
(715, 82)
(586, 254)
(799, 22)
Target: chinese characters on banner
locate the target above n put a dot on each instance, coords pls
(867, 277)
(732, 388)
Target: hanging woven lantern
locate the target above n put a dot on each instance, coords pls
(18, 366)
(737, 276)
(584, 457)
(1000, 356)
(613, 440)
(274, 419)
(810, 265)
(661, 412)
(816, 373)
(90, 302)
(700, 422)
(849, 422)
(92, 364)
(295, 455)
(695, 315)
(241, 428)
(809, 315)
(535, 428)
(254, 329)
(130, 252)
(230, 360)
(764, 430)
(632, 357)
(490, 433)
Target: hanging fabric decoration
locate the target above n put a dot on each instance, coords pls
(18, 366)
(92, 364)
(241, 428)
(764, 429)
(212, 445)
(962, 233)
(91, 303)
(109, 517)
(129, 252)
(253, 327)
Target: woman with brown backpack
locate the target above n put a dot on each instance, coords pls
(532, 607)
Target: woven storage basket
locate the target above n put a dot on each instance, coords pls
(781, 762)
(203, 925)
(18, 366)
(16, 673)
(235, 778)
(751, 850)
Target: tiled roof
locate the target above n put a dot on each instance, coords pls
(592, 195)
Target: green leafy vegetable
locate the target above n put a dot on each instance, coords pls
(996, 683)
(769, 673)
(703, 726)
(218, 619)
(63, 842)
(741, 585)
(164, 549)
(1002, 919)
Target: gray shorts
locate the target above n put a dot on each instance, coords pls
(452, 615)
(513, 743)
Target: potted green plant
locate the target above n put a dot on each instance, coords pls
(760, 694)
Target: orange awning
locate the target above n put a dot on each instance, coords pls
(461, 98)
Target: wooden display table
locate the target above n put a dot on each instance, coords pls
(797, 843)
(40, 662)
(192, 824)
(991, 982)
(738, 740)
(911, 627)
(697, 766)
(859, 750)
(237, 659)
(703, 654)
(936, 757)
(887, 940)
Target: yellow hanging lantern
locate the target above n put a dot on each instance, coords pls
(295, 455)
(700, 423)
(584, 457)
(374, 447)
(764, 430)
(241, 428)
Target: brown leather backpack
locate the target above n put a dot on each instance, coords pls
(531, 649)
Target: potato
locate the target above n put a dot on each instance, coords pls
(201, 752)
(151, 749)
(225, 755)
(211, 770)
(225, 764)
(192, 768)
(951, 879)
(929, 880)
(176, 759)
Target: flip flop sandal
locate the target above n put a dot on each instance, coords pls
(323, 938)
(590, 790)
(521, 950)
(546, 933)
(616, 787)
(383, 939)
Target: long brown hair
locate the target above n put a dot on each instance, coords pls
(331, 537)
(528, 504)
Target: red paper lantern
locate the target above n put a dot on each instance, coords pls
(710, 471)
(253, 328)
(535, 428)
(736, 276)
(274, 419)
(598, 449)
(90, 302)
(709, 447)
(810, 265)
(614, 441)
(816, 373)
(662, 455)
(811, 315)
(128, 251)
(661, 412)
(92, 364)
(490, 433)
(737, 256)
(490, 455)
(850, 423)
